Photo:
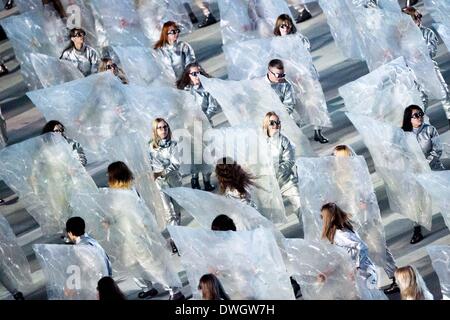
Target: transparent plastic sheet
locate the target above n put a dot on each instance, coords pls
(36, 31)
(133, 149)
(444, 32)
(249, 59)
(248, 263)
(72, 272)
(440, 259)
(248, 101)
(384, 93)
(3, 131)
(398, 160)
(242, 20)
(323, 271)
(154, 13)
(13, 262)
(117, 23)
(437, 185)
(438, 10)
(45, 174)
(346, 182)
(126, 229)
(141, 68)
(249, 149)
(52, 71)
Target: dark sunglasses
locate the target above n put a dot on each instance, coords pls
(417, 115)
(111, 66)
(275, 122)
(164, 127)
(174, 31)
(79, 34)
(195, 73)
(278, 75)
(284, 26)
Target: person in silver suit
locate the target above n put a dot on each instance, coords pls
(282, 151)
(165, 163)
(190, 81)
(77, 149)
(432, 41)
(174, 53)
(430, 143)
(82, 55)
(284, 26)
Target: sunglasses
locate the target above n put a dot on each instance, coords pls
(195, 73)
(278, 75)
(275, 122)
(79, 34)
(174, 31)
(285, 26)
(111, 66)
(417, 115)
(164, 127)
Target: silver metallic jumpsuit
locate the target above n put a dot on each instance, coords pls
(165, 159)
(86, 59)
(178, 56)
(430, 143)
(77, 150)
(234, 194)
(282, 152)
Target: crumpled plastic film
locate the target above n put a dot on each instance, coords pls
(444, 32)
(346, 182)
(440, 259)
(249, 59)
(384, 93)
(242, 20)
(248, 101)
(398, 160)
(439, 12)
(124, 226)
(13, 262)
(248, 263)
(52, 71)
(45, 174)
(72, 271)
(248, 148)
(437, 185)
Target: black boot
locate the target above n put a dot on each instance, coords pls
(303, 16)
(417, 235)
(319, 137)
(195, 184)
(18, 296)
(208, 186)
(3, 70)
(9, 4)
(2, 201)
(192, 16)
(393, 288)
(296, 288)
(174, 247)
(148, 294)
(209, 20)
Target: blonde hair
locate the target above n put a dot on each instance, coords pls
(343, 150)
(155, 137)
(267, 121)
(407, 281)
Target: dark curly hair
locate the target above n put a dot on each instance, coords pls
(233, 176)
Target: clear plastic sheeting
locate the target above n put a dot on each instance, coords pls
(142, 69)
(154, 13)
(249, 59)
(248, 263)
(133, 150)
(35, 31)
(13, 262)
(242, 20)
(246, 102)
(45, 174)
(437, 185)
(439, 12)
(117, 23)
(124, 226)
(72, 271)
(384, 93)
(52, 71)
(398, 160)
(444, 32)
(440, 259)
(346, 182)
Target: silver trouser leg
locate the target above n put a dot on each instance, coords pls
(7, 282)
(290, 193)
(317, 128)
(172, 217)
(390, 266)
(204, 6)
(206, 175)
(446, 102)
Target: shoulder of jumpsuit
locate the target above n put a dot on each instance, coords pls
(427, 31)
(285, 141)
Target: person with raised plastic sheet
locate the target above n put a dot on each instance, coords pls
(338, 230)
(107, 64)
(212, 288)
(80, 54)
(284, 26)
(412, 286)
(108, 290)
(390, 265)
(174, 53)
(440, 259)
(430, 143)
(282, 152)
(58, 127)
(234, 181)
(285, 91)
(432, 42)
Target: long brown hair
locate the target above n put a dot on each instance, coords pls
(212, 288)
(282, 19)
(233, 176)
(163, 38)
(119, 176)
(184, 79)
(407, 281)
(334, 218)
(155, 137)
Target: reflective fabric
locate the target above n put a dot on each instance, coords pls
(440, 258)
(52, 71)
(86, 59)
